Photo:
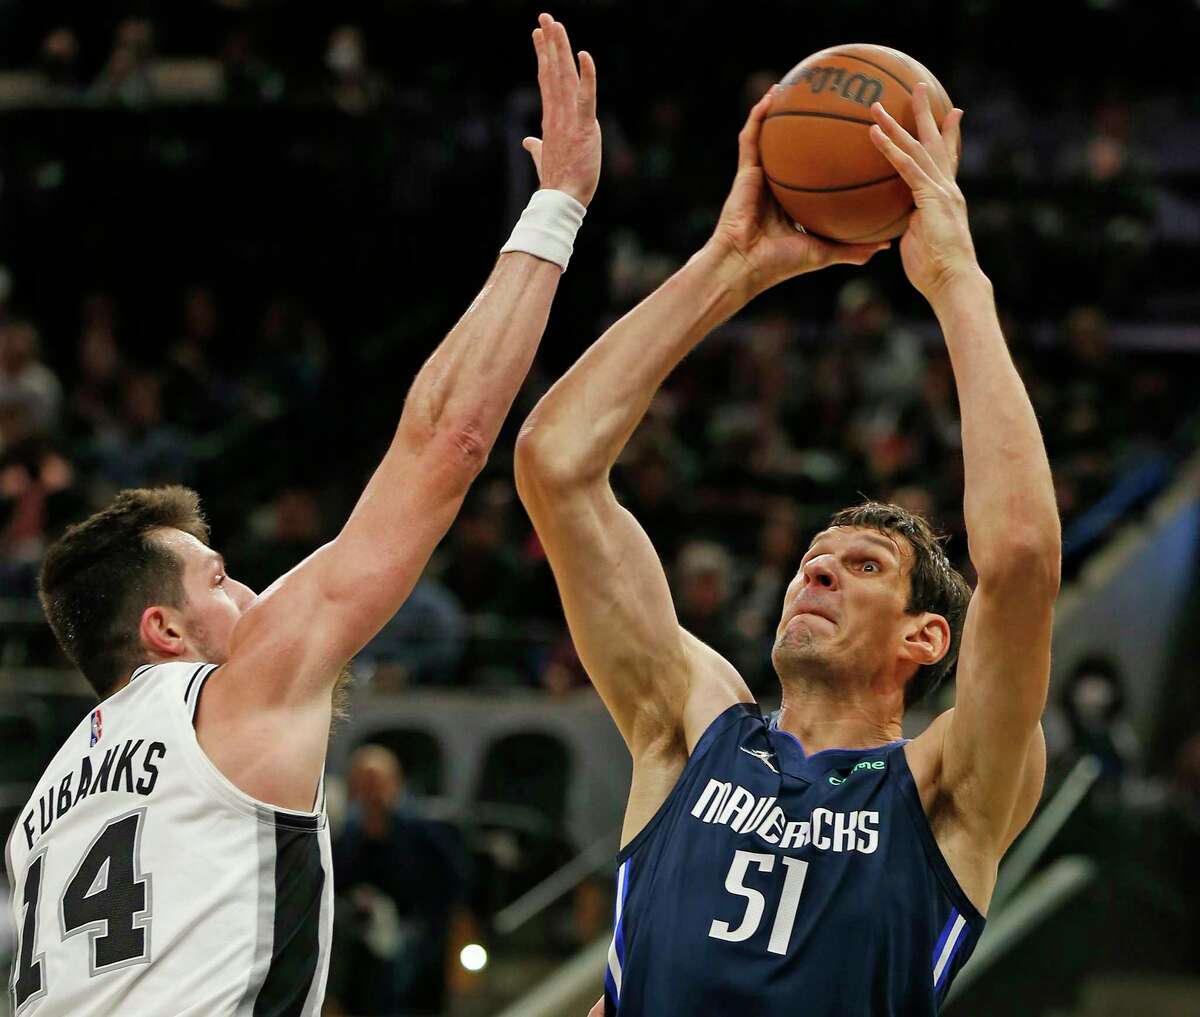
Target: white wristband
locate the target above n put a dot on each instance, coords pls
(547, 227)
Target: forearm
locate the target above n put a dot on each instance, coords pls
(468, 385)
(1009, 502)
(583, 422)
(460, 397)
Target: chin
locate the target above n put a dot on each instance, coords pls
(794, 649)
(213, 651)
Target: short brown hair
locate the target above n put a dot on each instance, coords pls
(101, 574)
(935, 585)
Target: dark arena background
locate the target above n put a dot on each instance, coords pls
(231, 232)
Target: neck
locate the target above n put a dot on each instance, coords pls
(821, 718)
(376, 822)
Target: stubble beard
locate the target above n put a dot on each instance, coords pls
(205, 646)
(800, 660)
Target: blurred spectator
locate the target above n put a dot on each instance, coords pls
(422, 644)
(404, 875)
(704, 583)
(144, 449)
(25, 381)
(888, 359)
(1186, 783)
(649, 481)
(125, 79)
(760, 602)
(288, 362)
(59, 64)
(195, 388)
(281, 534)
(355, 87)
(1111, 208)
(36, 483)
(484, 570)
(1085, 416)
(249, 79)
(563, 673)
(1094, 706)
(95, 398)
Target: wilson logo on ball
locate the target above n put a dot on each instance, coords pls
(856, 87)
(820, 162)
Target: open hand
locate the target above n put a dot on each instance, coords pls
(567, 156)
(937, 246)
(754, 227)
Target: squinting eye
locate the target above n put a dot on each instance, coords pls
(220, 580)
(874, 566)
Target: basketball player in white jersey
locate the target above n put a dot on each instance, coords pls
(174, 859)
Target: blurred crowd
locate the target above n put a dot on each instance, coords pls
(828, 391)
(742, 456)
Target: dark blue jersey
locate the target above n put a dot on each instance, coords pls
(773, 882)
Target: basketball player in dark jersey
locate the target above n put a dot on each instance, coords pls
(814, 861)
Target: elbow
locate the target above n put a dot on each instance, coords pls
(544, 462)
(1028, 563)
(457, 453)
(467, 450)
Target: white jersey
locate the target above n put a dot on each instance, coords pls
(145, 884)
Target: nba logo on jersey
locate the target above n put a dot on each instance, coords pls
(97, 727)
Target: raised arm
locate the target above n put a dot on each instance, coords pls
(993, 759)
(661, 685)
(292, 643)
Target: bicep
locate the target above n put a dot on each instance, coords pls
(299, 633)
(652, 676)
(1003, 675)
(1029, 789)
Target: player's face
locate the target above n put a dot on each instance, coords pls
(844, 612)
(215, 601)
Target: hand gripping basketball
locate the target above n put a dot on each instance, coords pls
(937, 246)
(567, 156)
(759, 233)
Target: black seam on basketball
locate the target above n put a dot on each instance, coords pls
(880, 67)
(886, 225)
(823, 116)
(832, 190)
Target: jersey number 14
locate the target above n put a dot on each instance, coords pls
(107, 897)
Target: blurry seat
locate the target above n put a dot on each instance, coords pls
(27, 734)
(528, 769)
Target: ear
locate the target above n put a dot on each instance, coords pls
(161, 633)
(928, 640)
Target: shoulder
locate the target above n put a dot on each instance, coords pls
(926, 756)
(177, 681)
(714, 685)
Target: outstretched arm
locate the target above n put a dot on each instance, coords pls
(292, 643)
(661, 685)
(1012, 519)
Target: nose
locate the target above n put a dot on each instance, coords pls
(243, 595)
(821, 570)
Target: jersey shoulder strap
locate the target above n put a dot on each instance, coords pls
(180, 679)
(721, 735)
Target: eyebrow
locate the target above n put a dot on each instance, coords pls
(220, 560)
(879, 540)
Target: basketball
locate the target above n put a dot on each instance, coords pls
(816, 149)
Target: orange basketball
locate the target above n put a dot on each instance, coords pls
(816, 151)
